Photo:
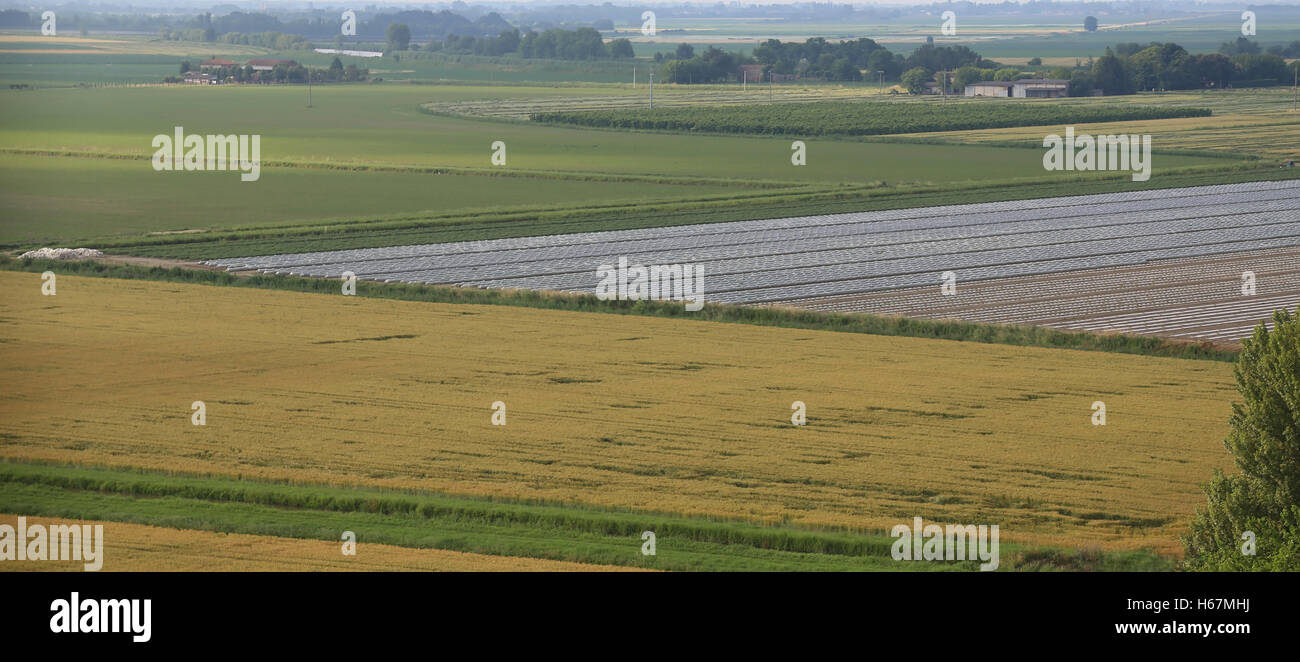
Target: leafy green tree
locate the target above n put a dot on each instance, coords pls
(621, 48)
(1242, 46)
(1081, 84)
(914, 79)
(1108, 73)
(1269, 69)
(1260, 505)
(1214, 69)
(398, 36)
(1006, 74)
(965, 76)
(1090, 24)
(842, 69)
(684, 52)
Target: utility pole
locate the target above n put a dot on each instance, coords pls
(652, 88)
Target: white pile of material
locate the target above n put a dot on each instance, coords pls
(62, 253)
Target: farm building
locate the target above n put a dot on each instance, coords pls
(750, 72)
(1031, 88)
(259, 64)
(1039, 88)
(218, 63)
(201, 78)
(989, 88)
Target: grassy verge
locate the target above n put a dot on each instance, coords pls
(559, 175)
(419, 520)
(1027, 336)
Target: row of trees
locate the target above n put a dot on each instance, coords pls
(818, 58)
(297, 73)
(1244, 46)
(1124, 69)
(712, 66)
(579, 44)
(1170, 67)
(279, 41)
(847, 60)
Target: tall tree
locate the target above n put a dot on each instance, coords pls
(1252, 519)
(915, 79)
(398, 36)
(1108, 73)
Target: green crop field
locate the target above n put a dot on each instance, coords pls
(49, 198)
(77, 163)
(858, 119)
(382, 124)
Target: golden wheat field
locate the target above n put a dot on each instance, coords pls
(619, 411)
(142, 548)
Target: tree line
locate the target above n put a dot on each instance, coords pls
(558, 44)
(281, 73)
(1128, 68)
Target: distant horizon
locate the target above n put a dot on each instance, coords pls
(111, 5)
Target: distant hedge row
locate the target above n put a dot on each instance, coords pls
(854, 118)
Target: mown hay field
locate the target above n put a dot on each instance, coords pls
(617, 411)
(142, 548)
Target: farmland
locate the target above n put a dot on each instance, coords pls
(374, 413)
(376, 398)
(366, 159)
(860, 119)
(844, 262)
(79, 197)
(144, 548)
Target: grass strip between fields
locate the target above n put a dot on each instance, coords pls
(561, 175)
(422, 520)
(1025, 336)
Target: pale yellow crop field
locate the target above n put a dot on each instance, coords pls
(1245, 122)
(1274, 135)
(141, 548)
(71, 43)
(620, 411)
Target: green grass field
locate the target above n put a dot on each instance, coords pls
(423, 520)
(51, 198)
(381, 124)
(77, 162)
